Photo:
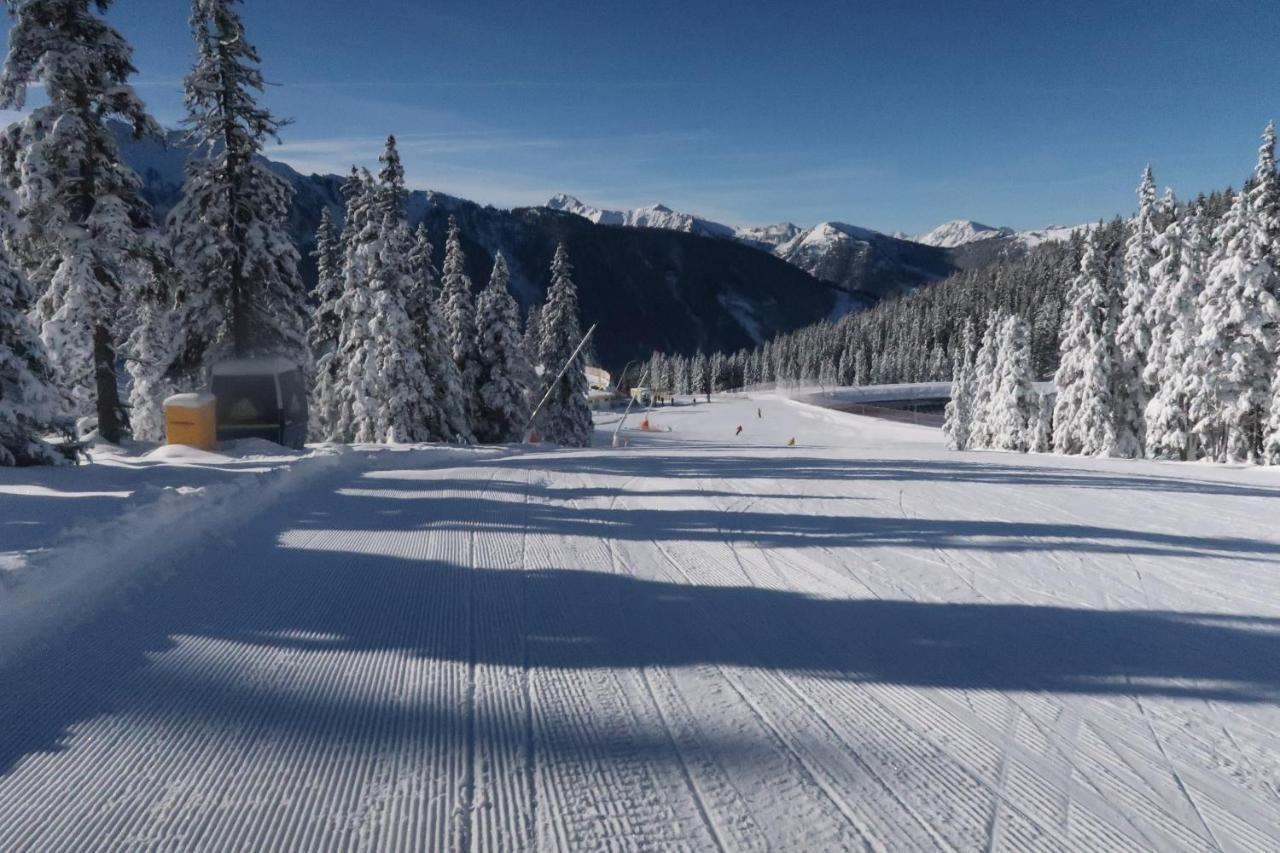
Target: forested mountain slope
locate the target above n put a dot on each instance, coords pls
(648, 288)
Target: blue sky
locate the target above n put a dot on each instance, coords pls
(894, 116)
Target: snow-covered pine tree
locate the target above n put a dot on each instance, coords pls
(30, 402)
(565, 418)
(959, 412)
(326, 325)
(329, 393)
(425, 284)
(1013, 404)
(1240, 317)
(1130, 391)
(83, 219)
(502, 401)
(985, 383)
(1172, 368)
(380, 389)
(458, 311)
(827, 377)
(240, 293)
(323, 332)
(1084, 420)
(1042, 429)
(862, 369)
(1271, 436)
(533, 334)
(152, 347)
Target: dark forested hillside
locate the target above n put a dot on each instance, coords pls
(648, 288)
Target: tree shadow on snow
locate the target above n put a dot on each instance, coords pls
(311, 580)
(994, 469)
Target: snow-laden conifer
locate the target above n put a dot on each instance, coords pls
(329, 391)
(1084, 417)
(985, 381)
(1013, 403)
(239, 293)
(566, 418)
(152, 350)
(422, 270)
(1173, 369)
(1133, 334)
(533, 335)
(458, 311)
(323, 332)
(30, 403)
(502, 406)
(959, 411)
(84, 224)
(382, 390)
(1271, 435)
(1042, 429)
(1240, 317)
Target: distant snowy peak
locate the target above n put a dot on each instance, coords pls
(768, 237)
(765, 237)
(652, 216)
(825, 236)
(569, 204)
(1052, 234)
(862, 263)
(962, 232)
(958, 232)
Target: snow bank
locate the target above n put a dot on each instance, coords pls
(130, 536)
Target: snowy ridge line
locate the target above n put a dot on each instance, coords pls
(69, 582)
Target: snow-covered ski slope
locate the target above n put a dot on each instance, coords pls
(701, 641)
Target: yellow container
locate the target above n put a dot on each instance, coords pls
(191, 419)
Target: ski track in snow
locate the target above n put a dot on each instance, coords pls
(701, 642)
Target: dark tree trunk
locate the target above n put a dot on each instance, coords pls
(112, 420)
(111, 417)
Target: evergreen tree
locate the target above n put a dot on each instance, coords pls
(1014, 402)
(1133, 335)
(240, 293)
(1042, 430)
(985, 382)
(83, 219)
(533, 335)
(152, 348)
(565, 418)
(329, 390)
(425, 286)
(1271, 438)
(1084, 418)
(1173, 369)
(30, 403)
(502, 407)
(1240, 317)
(374, 385)
(959, 411)
(459, 315)
(323, 332)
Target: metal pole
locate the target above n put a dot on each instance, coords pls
(618, 429)
(559, 376)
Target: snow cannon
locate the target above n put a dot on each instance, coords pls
(191, 419)
(261, 398)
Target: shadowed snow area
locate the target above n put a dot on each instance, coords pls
(704, 640)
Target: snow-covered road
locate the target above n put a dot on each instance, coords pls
(699, 642)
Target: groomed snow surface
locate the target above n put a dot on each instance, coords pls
(700, 641)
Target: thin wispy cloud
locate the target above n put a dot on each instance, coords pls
(514, 83)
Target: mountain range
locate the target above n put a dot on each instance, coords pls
(652, 277)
